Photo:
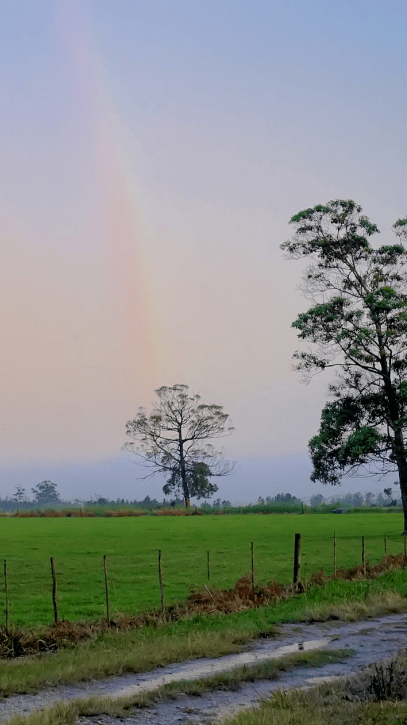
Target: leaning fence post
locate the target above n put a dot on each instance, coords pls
(252, 554)
(160, 577)
(335, 555)
(106, 590)
(54, 590)
(208, 566)
(297, 558)
(6, 610)
(363, 556)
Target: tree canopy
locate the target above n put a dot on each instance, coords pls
(45, 492)
(357, 324)
(173, 440)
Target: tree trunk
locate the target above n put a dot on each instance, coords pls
(185, 488)
(399, 451)
(401, 459)
(403, 489)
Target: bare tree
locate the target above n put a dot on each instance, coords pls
(172, 440)
(20, 493)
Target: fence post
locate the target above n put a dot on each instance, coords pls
(6, 610)
(335, 555)
(54, 590)
(106, 590)
(208, 566)
(385, 545)
(363, 556)
(160, 577)
(252, 554)
(297, 558)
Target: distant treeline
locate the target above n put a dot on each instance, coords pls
(356, 500)
(280, 503)
(10, 504)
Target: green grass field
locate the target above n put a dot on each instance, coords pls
(131, 545)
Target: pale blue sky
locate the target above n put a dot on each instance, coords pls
(152, 154)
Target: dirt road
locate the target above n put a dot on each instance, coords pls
(372, 640)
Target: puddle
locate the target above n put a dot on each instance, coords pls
(381, 637)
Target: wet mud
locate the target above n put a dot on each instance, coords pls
(372, 640)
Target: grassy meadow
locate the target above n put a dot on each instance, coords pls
(131, 546)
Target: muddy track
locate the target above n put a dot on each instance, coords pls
(372, 640)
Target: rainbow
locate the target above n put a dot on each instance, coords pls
(133, 298)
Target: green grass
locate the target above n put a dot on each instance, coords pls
(131, 545)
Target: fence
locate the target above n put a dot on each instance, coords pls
(72, 600)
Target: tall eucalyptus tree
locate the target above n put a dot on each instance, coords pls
(357, 323)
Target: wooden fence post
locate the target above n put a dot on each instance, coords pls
(6, 609)
(252, 554)
(208, 566)
(385, 545)
(335, 555)
(106, 590)
(297, 558)
(160, 577)
(363, 556)
(54, 590)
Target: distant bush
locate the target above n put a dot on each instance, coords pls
(170, 512)
(272, 507)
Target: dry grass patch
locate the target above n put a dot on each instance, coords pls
(379, 603)
(292, 710)
(377, 696)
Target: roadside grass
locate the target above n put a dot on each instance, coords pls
(113, 654)
(200, 635)
(294, 709)
(67, 713)
(374, 697)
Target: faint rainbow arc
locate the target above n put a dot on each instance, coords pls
(131, 271)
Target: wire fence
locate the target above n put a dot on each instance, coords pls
(93, 586)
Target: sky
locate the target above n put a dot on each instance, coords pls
(152, 154)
